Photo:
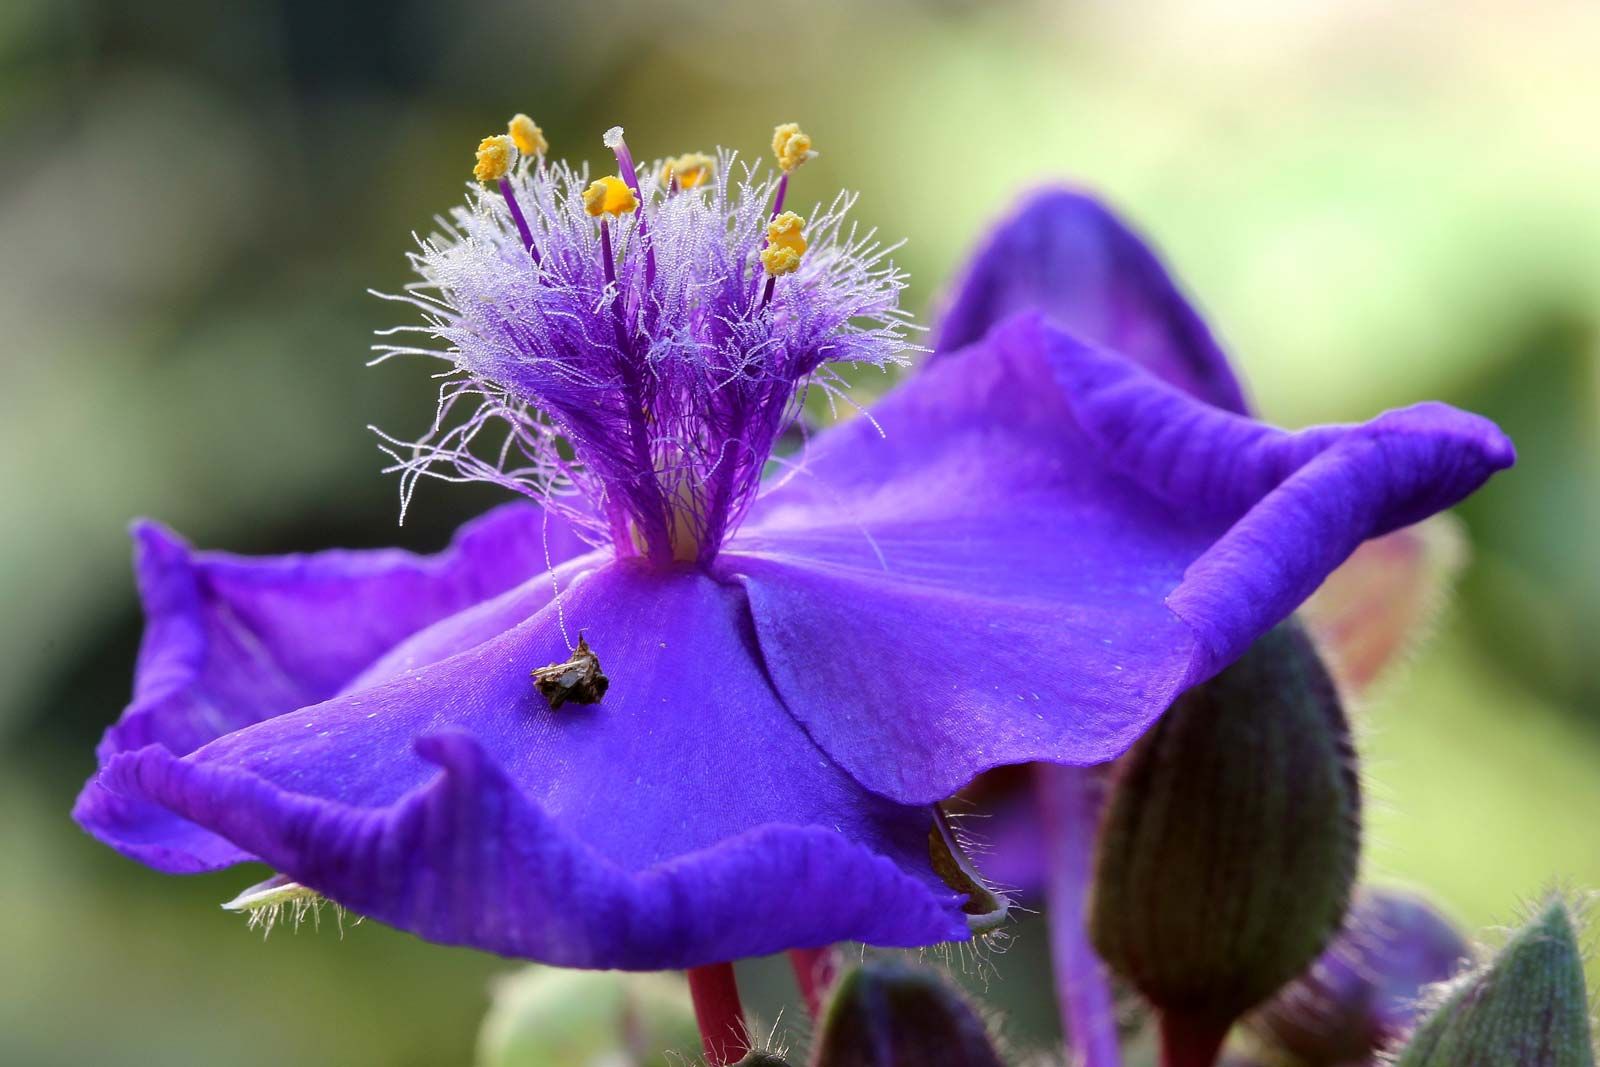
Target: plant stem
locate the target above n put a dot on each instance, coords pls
(717, 1010)
(1069, 800)
(814, 971)
(1188, 1041)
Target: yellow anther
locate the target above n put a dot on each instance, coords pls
(528, 136)
(496, 155)
(786, 243)
(791, 145)
(692, 169)
(609, 196)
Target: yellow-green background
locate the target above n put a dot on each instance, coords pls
(1373, 202)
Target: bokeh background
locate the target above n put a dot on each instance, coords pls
(1374, 203)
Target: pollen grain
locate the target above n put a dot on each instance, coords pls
(691, 170)
(528, 136)
(609, 196)
(791, 145)
(496, 155)
(786, 243)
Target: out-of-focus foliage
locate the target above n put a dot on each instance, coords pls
(1374, 203)
(548, 1017)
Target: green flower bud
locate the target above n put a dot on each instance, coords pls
(1230, 840)
(1526, 1008)
(550, 1017)
(885, 1014)
(762, 1059)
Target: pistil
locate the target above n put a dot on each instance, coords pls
(610, 197)
(625, 166)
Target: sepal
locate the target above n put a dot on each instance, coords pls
(1526, 1008)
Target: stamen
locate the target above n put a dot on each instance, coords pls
(609, 196)
(792, 146)
(523, 230)
(688, 171)
(644, 411)
(528, 136)
(786, 243)
(496, 156)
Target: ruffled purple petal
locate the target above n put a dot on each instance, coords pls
(231, 640)
(1063, 254)
(685, 818)
(1048, 544)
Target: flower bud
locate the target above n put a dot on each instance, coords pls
(758, 1058)
(1230, 840)
(884, 1014)
(587, 1019)
(1362, 994)
(1526, 1008)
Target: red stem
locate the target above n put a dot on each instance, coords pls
(715, 993)
(1187, 1041)
(814, 972)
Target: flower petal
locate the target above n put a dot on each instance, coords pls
(685, 818)
(232, 640)
(1050, 544)
(1063, 254)
(1383, 600)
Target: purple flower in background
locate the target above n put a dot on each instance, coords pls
(1023, 554)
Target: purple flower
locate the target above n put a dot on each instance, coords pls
(1023, 554)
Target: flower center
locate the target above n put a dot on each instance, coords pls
(627, 350)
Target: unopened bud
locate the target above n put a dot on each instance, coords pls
(1526, 1008)
(1230, 839)
(586, 1019)
(763, 1059)
(884, 1014)
(1361, 995)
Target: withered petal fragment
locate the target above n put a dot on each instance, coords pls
(985, 909)
(578, 679)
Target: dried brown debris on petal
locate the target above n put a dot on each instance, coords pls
(578, 679)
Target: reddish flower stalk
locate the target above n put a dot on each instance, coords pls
(717, 1010)
(1190, 1041)
(815, 970)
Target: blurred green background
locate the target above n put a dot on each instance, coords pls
(1373, 203)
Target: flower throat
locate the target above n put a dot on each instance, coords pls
(627, 350)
